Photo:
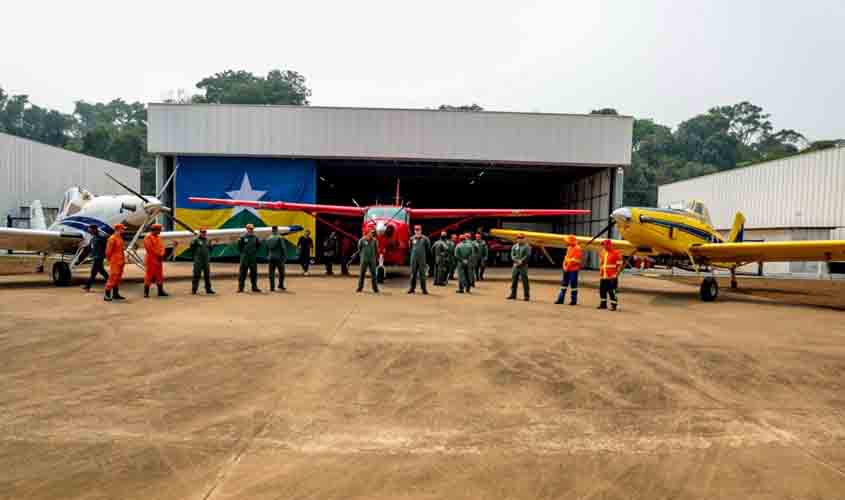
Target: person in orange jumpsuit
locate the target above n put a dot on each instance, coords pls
(117, 260)
(609, 268)
(154, 261)
(571, 266)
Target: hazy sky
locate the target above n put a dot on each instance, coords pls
(667, 60)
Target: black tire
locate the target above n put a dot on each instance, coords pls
(709, 289)
(61, 274)
(380, 274)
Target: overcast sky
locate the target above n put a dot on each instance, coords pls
(667, 60)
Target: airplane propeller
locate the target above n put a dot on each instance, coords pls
(166, 211)
(606, 229)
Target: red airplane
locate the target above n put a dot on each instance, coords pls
(391, 222)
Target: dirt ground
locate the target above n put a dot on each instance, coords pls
(323, 393)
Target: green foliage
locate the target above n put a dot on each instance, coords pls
(242, 87)
(604, 111)
(464, 107)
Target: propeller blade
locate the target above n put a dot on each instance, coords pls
(606, 229)
(124, 186)
(168, 181)
(172, 217)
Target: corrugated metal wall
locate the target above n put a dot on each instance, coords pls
(315, 132)
(803, 191)
(33, 171)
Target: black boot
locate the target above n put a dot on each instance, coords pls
(209, 291)
(116, 294)
(107, 296)
(146, 292)
(613, 307)
(526, 299)
(161, 292)
(603, 305)
(512, 297)
(560, 296)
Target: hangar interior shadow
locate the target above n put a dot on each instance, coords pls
(444, 185)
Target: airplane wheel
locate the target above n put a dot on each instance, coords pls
(61, 274)
(380, 274)
(709, 289)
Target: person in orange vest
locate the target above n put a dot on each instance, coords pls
(117, 260)
(611, 265)
(154, 261)
(571, 266)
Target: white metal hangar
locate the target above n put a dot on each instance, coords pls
(443, 159)
(32, 171)
(801, 197)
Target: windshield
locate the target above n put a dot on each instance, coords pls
(698, 209)
(387, 212)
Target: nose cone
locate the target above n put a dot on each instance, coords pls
(381, 227)
(621, 215)
(153, 205)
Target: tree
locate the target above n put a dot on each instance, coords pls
(746, 122)
(463, 107)
(604, 111)
(242, 87)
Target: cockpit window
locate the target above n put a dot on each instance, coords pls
(387, 212)
(698, 209)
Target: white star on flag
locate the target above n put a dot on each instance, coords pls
(245, 193)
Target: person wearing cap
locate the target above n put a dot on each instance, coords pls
(201, 250)
(248, 245)
(420, 247)
(367, 252)
(609, 268)
(440, 249)
(463, 255)
(571, 267)
(117, 261)
(154, 261)
(303, 247)
(97, 252)
(519, 255)
(277, 256)
(453, 262)
(482, 259)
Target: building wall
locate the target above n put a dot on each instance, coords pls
(801, 191)
(316, 132)
(33, 171)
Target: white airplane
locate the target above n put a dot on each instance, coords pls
(68, 236)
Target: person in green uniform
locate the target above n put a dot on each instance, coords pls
(463, 255)
(482, 260)
(201, 250)
(519, 255)
(419, 246)
(440, 249)
(277, 256)
(473, 261)
(248, 247)
(367, 252)
(453, 262)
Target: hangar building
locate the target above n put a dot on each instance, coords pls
(355, 155)
(32, 171)
(801, 197)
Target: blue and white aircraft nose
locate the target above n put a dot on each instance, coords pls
(621, 215)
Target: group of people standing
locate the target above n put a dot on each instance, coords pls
(465, 254)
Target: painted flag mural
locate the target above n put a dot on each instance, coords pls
(257, 179)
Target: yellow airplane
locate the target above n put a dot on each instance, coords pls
(685, 238)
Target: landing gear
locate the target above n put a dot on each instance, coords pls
(380, 273)
(734, 284)
(61, 274)
(709, 289)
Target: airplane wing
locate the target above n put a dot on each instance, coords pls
(554, 240)
(39, 240)
(283, 205)
(447, 213)
(216, 236)
(772, 251)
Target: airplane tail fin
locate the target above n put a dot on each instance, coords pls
(738, 229)
(36, 216)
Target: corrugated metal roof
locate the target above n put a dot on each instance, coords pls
(419, 134)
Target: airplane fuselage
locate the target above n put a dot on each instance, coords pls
(391, 224)
(104, 212)
(663, 230)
